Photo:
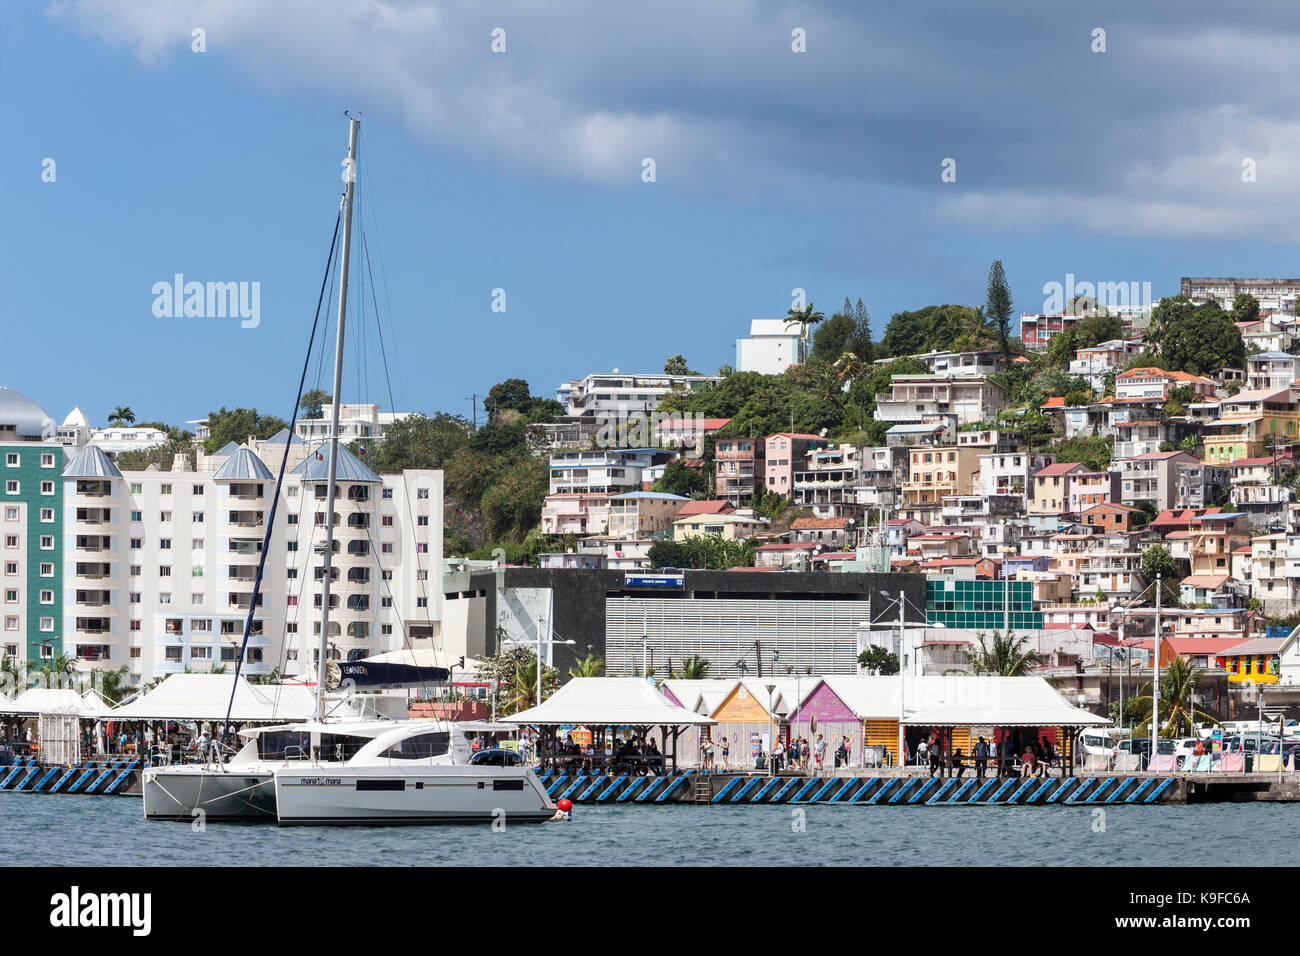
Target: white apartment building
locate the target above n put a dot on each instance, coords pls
(356, 422)
(116, 440)
(615, 395)
(772, 347)
(1009, 474)
(582, 482)
(1274, 295)
(922, 398)
(160, 566)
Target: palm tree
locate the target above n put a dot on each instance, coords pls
(589, 666)
(1008, 656)
(11, 676)
(805, 318)
(122, 415)
(1178, 714)
(520, 692)
(52, 671)
(694, 667)
(109, 684)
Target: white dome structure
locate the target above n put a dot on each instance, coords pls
(76, 419)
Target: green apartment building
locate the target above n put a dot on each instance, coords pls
(31, 530)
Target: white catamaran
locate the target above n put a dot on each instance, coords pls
(333, 770)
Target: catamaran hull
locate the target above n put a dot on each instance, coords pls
(177, 794)
(411, 796)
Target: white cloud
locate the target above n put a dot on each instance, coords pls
(1146, 139)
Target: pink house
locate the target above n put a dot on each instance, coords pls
(787, 452)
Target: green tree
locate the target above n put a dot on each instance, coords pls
(514, 672)
(1006, 656)
(497, 439)
(666, 554)
(805, 318)
(236, 425)
(1202, 339)
(878, 660)
(860, 343)
(1178, 714)
(512, 506)
(681, 479)
(52, 672)
(694, 667)
(312, 404)
(122, 415)
(997, 306)
(1157, 560)
(832, 337)
(676, 365)
(589, 666)
(419, 442)
(1091, 450)
(510, 395)
(1245, 308)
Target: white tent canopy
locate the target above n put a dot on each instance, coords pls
(609, 701)
(50, 700)
(960, 700)
(998, 701)
(207, 696)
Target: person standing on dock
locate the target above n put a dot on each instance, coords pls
(981, 758)
(726, 752)
(820, 752)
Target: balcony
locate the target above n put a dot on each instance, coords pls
(95, 598)
(94, 516)
(94, 543)
(99, 572)
(94, 489)
(246, 492)
(93, 625)
(246, 520)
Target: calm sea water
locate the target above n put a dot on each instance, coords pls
(87, 831)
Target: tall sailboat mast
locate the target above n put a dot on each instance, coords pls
(350, 176)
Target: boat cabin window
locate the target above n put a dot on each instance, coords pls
(418, 748)
(284, 745)
(340, 746)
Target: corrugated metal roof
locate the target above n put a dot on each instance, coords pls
(316, 466)
(280, 436)
(91, 462)
(243, 465)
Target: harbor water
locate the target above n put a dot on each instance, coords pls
(87, 831)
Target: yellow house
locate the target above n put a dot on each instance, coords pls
(1247, 420)
(733, 526)
(1252, 662)
(935, 472)
(744, 718)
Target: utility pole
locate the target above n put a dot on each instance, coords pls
(473, 404)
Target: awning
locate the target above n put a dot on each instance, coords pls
(609, 702)
(195, 697)
(999, 702)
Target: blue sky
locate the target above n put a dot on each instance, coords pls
(521, 171)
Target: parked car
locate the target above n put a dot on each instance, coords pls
(1142, 747)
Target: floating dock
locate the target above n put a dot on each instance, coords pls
(111, 776)
(735, 789)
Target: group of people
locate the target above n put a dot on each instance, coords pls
(1035, 759)
(801, 751)
(635, 754)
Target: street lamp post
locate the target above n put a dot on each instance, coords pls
(551, 642)
(771, 721)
